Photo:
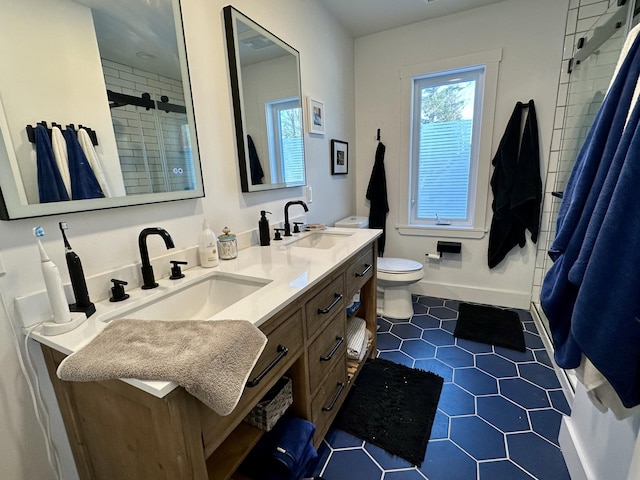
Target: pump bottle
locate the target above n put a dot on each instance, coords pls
(263, 229)
(207, 246)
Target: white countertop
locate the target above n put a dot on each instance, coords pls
(290, 270)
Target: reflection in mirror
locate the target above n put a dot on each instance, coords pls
(116, 68)
(265, 86)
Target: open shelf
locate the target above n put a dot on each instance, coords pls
(227, 457)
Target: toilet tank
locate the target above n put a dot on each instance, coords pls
(353, 221)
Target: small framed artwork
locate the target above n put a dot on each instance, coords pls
(316, 116)
(339, 157)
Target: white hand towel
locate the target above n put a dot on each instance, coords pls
(356, 337)
(59, 145)
(94, 161)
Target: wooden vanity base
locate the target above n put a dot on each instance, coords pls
(118, 431)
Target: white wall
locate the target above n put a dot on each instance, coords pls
(44, 47)
(108, 239)
(596, 445)
(530, 35)
(265, 82)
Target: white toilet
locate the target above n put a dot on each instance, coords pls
(394, 277)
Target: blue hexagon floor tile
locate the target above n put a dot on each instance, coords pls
(499, 412)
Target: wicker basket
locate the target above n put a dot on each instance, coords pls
(272, 406)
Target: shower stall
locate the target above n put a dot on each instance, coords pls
(153, 141)
(590, 70)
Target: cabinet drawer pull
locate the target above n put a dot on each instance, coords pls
(367, 267)
(326, 358)
(335, 398)
(333, 304)
(282, 350)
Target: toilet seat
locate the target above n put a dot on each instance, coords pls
(397, 265)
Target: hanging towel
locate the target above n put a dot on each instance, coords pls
(90, 152)
(516, 186)
(60, 152)
(84, 184)
(377, 196)
(50, 184)
(254, 163)
(590, 293)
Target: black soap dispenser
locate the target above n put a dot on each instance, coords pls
(263, 229)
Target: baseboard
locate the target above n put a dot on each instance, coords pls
(501, 298)
(573, 456)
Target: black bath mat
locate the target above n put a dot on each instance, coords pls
(392, 406)
(492, 325)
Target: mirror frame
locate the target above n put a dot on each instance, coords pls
(230, 16)
(11, 206)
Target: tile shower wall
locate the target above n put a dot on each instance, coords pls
(136, 132)
(569, 121)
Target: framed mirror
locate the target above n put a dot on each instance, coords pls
(267, 103)
(110, 71)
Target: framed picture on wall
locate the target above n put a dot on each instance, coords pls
(339, 157)
(315, 110)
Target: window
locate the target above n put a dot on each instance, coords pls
(447, 106)
(286, 148)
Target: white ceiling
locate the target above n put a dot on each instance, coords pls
(364, 17)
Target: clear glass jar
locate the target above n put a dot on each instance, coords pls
(227, 245)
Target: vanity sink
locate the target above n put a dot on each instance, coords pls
(196, 301)
(321, 240)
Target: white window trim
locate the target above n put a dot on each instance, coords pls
(491, 60)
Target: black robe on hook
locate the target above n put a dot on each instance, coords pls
(377, 196)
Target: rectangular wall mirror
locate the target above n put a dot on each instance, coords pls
(115, 67)
(267, 102)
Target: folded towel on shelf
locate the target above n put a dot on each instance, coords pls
(212, 360)
(284, 453)
(356, 338)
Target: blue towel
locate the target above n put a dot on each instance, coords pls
(50, 185)
(291, 448)
(284, 453)
(84, 183)
(590, 294)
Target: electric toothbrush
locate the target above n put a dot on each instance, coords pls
(76, 275)
(53, 282)
(63, 320)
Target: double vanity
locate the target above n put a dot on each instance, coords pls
(296, 291)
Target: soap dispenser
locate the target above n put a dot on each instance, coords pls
(263, 229)
(207, 246)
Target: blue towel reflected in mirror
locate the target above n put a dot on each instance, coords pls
(50, 185)
(84, 183)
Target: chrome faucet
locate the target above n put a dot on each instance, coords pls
(148, 280)
(287, 227)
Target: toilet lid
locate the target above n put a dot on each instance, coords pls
(397, 265)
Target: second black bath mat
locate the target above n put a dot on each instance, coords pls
(492, 325)
(392, 406)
